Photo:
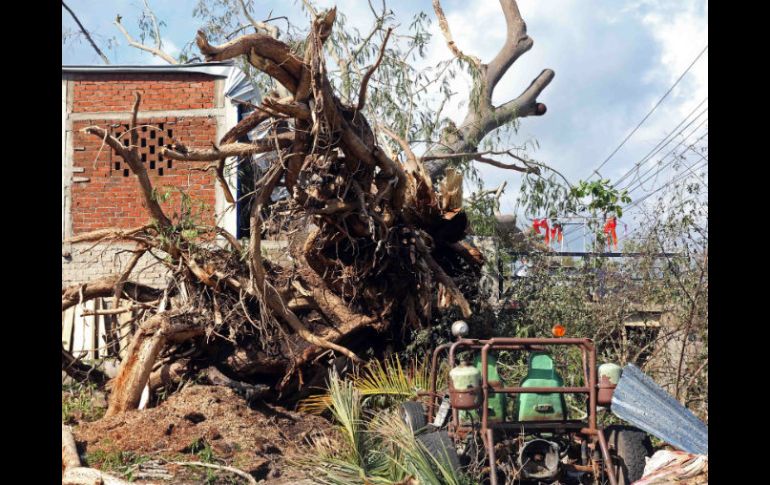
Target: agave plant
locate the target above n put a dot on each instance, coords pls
(381, 384)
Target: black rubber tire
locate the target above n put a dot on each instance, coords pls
(440, 446)
(413, 415)
(631, 446)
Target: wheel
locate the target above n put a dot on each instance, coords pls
(440, 446)
(632, 446)
(413, 415)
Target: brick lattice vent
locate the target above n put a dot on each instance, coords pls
(151, 139)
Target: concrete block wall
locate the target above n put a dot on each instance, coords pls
(84, 262)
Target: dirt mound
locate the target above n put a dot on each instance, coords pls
(207, 423)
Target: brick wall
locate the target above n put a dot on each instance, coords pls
(115, 92)
(104, 193)
(111, 196)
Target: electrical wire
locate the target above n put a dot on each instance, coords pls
(639, 125)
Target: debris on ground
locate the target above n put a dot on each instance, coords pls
(680, 467)
(210, 424)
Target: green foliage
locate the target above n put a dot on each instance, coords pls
(117, 461)
(186, 218)
(379, 384)
(371, 448)
(202, 449)
(604, 197)
(595, 297)
(78, 403)
(552, 195)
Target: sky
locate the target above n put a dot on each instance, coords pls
(614, 60)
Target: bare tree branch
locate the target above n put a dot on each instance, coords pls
(271, 30)
(133, 43)
(265, 45)
(365, 80)
(226, 151)
(482, 118)
(86, 33)
(517, 42)
(156, 28)
(444, 26)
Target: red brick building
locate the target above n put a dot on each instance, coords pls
(194, 104)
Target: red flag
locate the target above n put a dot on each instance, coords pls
(556, 233)
(537, 224)
(609, 230)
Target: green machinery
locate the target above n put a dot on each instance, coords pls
(531, 407)
(540, 407)
(497, 402)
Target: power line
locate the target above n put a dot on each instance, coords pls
(640, 227)
(596, 170)
(660, 145)
(690, 169)
(661, 166)
(638, 201)
(666, 140)
(681, 176)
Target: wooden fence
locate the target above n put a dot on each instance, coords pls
(90, 331)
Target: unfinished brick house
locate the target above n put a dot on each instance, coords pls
(192, 103)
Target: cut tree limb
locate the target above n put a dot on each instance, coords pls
(106, 234)
(134, 371)
(73, 295)
(102, 288)
(148, 341)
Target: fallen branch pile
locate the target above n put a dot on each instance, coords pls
(383, 250)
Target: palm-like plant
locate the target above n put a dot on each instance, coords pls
(381, 384)
(373, 448)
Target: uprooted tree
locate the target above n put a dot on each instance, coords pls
(385, 247)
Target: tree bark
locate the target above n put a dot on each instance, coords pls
(483, 118)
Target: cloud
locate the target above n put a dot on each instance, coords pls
(613, 61)
(612, 64)
(167, 46)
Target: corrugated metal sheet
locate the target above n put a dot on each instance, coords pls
(239, 87)
(216, 69)
(640, 401)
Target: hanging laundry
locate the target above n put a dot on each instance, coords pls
(609, 230)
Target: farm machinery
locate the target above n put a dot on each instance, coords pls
(524, 433)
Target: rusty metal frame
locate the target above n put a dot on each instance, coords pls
(588, 356)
